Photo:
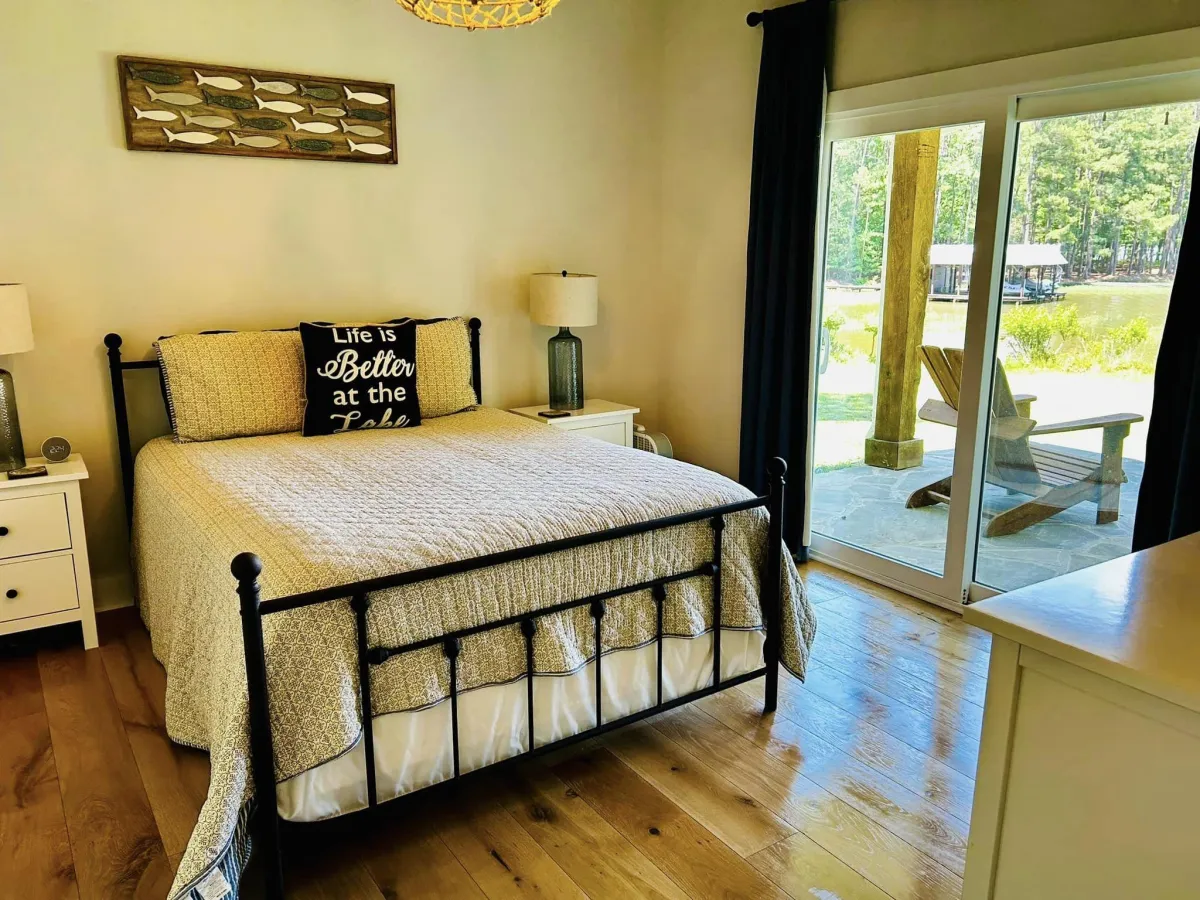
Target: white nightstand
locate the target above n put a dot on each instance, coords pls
(44, 577)
(600, 419)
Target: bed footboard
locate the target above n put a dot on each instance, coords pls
(246, 568)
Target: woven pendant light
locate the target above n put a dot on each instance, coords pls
(472, 14)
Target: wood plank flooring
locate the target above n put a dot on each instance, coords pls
(858, 788)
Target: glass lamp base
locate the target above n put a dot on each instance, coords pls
(566, 371)
(12, 449)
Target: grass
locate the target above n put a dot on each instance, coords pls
(845, 407)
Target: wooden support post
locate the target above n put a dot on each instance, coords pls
(892, 443)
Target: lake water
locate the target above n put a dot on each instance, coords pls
(1102, 306)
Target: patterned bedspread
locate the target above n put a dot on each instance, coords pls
(330, 510)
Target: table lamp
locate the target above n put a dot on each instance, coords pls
(16, 336)
(564, 300)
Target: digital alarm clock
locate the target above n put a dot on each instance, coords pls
(56, 449)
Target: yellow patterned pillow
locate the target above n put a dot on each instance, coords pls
(235, 384)
(243, 383)
(444, 378)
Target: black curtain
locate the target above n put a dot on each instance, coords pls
(779, 258)
(1169, 498)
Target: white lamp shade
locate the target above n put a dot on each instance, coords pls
(16, 332)
(563, 300)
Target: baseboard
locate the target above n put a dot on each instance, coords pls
(112, 590)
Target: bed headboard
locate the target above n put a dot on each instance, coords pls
(116, 373)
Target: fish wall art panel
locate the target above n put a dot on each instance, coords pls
(184, 107)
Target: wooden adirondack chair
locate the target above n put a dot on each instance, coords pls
(1053, 478)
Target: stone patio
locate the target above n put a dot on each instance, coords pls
(864, 507)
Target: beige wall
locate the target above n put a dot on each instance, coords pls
(519, 151)
(879, 40)
(710, 78)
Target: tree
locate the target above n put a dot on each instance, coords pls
(1112, 189)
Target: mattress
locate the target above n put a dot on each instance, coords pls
(338, 509)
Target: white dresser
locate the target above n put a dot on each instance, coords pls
(600, 419)
(1088, 785)
(44, 577)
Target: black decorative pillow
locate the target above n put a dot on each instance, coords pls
(359, 376)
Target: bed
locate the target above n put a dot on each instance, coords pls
(460, 580)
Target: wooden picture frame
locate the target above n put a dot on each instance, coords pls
(185, 107)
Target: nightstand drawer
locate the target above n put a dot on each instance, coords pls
(613, 432)
(33, 525)
(37, 587)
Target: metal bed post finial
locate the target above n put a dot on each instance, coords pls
(772, 597)
(246, 567)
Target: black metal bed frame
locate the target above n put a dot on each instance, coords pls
(246, 568)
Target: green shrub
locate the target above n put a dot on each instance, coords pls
(1124, 339)
(1045, 337)
(1065, 320)
(1120, 345)
(833, 324)
(1029, 331)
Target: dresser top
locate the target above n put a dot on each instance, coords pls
(1135, 619)
(70, 469)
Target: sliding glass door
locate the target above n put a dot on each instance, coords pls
(994, 276)
(897, 204)
(1093, 241)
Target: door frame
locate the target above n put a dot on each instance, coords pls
(1142, 71)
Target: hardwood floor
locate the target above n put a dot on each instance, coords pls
(858, 788)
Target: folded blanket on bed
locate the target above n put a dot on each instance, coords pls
(332, 510)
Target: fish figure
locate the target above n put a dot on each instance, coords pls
(373, 149)
(262, 123)
(332, 112)
(366, 97)
(173, 98)
(273, 87)
(313, 145)
(158, 115)
(190, 137)
(362, 130)
(283, 106)
(229, 101)
(369, 115)
(314, 127)
(207, 121)
(320, 93)
(155, 76)
(261, 141)
(223, 82)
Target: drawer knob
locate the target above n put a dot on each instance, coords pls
(3, 530)
(11, 593)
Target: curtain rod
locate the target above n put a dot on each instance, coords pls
(754, 19)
